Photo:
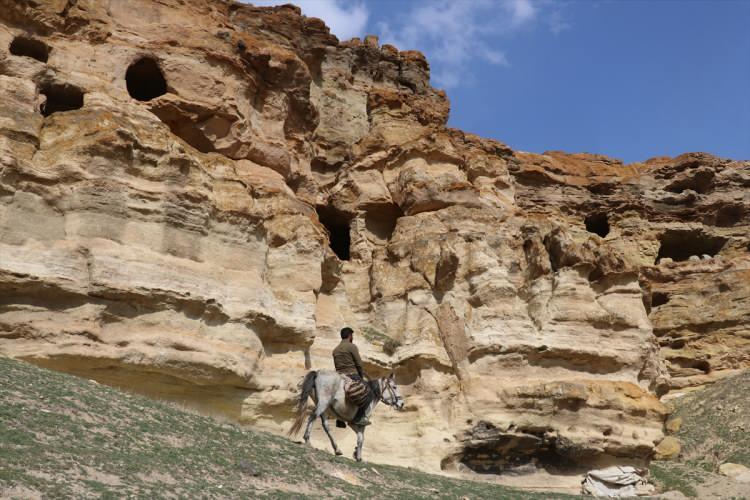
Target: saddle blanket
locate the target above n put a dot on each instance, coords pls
(356, 392)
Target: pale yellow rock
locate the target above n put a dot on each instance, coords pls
(673, 425)
(179, 246)
(667, 449)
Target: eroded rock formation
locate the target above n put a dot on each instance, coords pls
(195, 196)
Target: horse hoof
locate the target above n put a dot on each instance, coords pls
(338, 453)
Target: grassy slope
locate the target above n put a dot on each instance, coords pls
(715, 429)
(62, 436)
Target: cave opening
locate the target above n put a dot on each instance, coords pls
(681, 244)
(29, 47)
(700, 180)
(659, 299)
(60, 97)
(597, 223)
(684, 363)
(144, 80)
(338, 226)
(520, 451)
(184, 128)
(729, 215)
(382, 221)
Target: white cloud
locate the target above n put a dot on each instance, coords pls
(522, 11)
(346, 18)
(456, 33)
(557, 24)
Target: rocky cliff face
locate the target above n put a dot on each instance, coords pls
(195, 196)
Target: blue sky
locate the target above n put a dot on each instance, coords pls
(631, 79)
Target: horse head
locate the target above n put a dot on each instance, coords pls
(389, 393)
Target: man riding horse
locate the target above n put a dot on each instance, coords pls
(347, 362)
(328, 389)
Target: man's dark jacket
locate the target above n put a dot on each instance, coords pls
(346, 359)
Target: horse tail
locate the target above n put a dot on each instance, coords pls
(306, 388)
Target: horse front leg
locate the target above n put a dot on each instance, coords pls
(324, 421)
(360, 441)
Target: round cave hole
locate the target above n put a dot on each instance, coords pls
(144, 80)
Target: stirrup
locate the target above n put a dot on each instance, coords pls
(364, 421)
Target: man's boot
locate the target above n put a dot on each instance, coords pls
(360, 418)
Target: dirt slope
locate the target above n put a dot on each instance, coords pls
(66, 437)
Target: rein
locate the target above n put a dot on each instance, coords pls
(391, 393)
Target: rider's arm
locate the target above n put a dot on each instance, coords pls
(357, 361)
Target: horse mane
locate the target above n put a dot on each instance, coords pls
(375, 388)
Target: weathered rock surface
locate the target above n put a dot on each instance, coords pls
(195, 196)
(738, 472)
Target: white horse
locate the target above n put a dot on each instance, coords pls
(327, 390)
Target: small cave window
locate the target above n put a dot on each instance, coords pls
(381, 222)
(700, 180)
(60, 97)
(29, 47)
(598, 224)
(184, 128)
(680, 245)
(659, 299)
(690, 363)
(338, 226)
(729, 215)
(144, 80)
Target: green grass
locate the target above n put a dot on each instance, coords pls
(375, 336)
(66, 437)
(715, 429)
(674, 476)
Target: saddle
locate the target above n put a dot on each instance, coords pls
(356, 392)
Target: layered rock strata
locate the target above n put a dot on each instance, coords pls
(195, 196)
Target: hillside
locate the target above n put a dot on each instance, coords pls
(197, 195)
(65, 437)
(715, 430)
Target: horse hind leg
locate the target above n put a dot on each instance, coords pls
(320, 409)
(324, 421)
(310, 422)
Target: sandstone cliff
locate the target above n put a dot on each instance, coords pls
(196, 195)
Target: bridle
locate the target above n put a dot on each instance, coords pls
(394, 398)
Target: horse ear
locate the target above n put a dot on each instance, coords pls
(392, 376)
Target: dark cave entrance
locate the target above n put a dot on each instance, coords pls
(681, 244)
(28, 47)
(144, 80)
(60, 97)
(659, 299)
(338, 226)
(520, 451)
(597, 223)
